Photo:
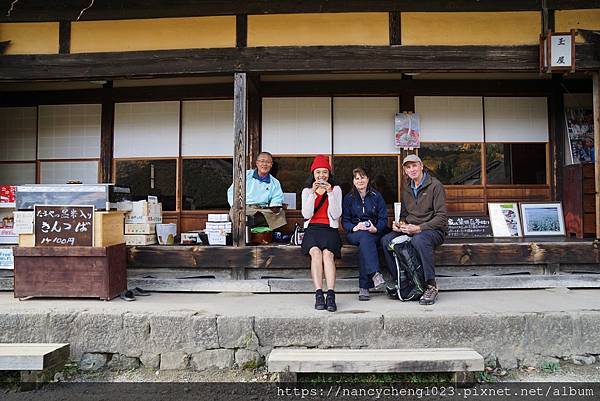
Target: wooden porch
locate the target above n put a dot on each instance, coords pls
(476, 264)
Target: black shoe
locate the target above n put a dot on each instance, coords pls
(331, 306)
(319, 301)
(127, 296)
(363, 294)
(392, 291)
(138, 292)
(429, 296)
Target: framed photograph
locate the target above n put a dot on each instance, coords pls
(504, 217)
(543, 218)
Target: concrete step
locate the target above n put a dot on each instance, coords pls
(32, 356)
(375, 360)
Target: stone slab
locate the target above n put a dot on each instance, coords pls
(375, 361)
(23, 356)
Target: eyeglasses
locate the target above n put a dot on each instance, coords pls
(264, 161)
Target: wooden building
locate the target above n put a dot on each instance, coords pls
(160, 95)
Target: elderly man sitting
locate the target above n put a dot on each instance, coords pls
(264, 196)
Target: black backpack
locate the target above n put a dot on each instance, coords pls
(411, 278)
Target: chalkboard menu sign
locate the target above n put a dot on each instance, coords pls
(469, 227)
(64, 225)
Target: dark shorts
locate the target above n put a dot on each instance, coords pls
(323, 237)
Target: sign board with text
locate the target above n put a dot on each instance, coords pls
(469, 227)
(64, 225)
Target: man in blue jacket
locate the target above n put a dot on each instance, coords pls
(264, 195)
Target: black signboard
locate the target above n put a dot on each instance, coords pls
(469, 227)
(64, 225)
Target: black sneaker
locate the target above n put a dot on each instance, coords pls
(319, 301)
(363, 294)
(429, 296)
(331, 306)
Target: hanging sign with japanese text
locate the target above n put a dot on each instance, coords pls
(557, 52)
(64, 225)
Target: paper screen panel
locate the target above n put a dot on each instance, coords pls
(69, 131)
(364, 125)
(147, 129)
(457, 119)
(297, 125)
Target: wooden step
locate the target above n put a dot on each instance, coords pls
(32, 356)
(375, 360)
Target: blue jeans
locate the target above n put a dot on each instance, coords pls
(368, 258)
(424, 243)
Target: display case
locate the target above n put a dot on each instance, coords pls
(99, 195)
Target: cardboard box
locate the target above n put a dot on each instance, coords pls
(144, 212)
(191, 238)
(218, 227)
(136, 219)
(140, 239)
(140, 228)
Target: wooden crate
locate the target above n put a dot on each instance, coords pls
(109, 228)
(579, 204)
(95, 272)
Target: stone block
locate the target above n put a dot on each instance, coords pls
(92, 362)
(582, 359)
(97, 333)
(351, 331)
(150, 361)
(237, 332)
(247, 359)
(286, 332)
(174, 360)
(212, 358)
(184, 332)
(23, 327)
(122, 362)
(135, 334)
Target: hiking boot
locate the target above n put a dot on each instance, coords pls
(392, 291)
(429, 296)
(331, 306)
(319, 301)
(378, 280)
(363, 294)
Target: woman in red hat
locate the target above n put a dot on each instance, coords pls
(322, 208)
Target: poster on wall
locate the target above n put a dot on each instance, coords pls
(505, 219)
(407, 130)
(543, 218)
(580, 129)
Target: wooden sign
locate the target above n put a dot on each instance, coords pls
(469, 227)
(64, 225)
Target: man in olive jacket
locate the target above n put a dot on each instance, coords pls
(424, 218)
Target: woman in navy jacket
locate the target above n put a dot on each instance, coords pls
(365, 221)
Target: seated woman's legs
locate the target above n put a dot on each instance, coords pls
(368, 257)
(329, 265)
(316, 267)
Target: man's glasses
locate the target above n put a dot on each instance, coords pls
(263, 161)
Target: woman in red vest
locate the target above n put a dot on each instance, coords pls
(322, 208)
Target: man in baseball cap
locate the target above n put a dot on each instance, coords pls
(424, 218)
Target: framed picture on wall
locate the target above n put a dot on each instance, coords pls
(543, 218)
(504, 217)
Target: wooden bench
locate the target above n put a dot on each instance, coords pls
(288, 362)
(37, 362)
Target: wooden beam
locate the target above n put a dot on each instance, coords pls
(596, 106)
(64, 37)
(254, 119)
(177, 63)
(240, 126)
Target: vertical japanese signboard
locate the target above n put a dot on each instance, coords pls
(64, 225)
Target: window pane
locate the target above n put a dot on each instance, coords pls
(17, 173)
(18, 127)
(205, 183)
(453, 163)
(382, 170)
(149, 177)
(62, 172)
(516, 163)
(292, 172)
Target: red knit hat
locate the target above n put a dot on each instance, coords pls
(320, 162)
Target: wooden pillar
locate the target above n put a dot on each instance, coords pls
(597, 147)
(240, 126)
(107, 133)
(254, 120)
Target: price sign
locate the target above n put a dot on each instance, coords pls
(64, 225)
(469, 227)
